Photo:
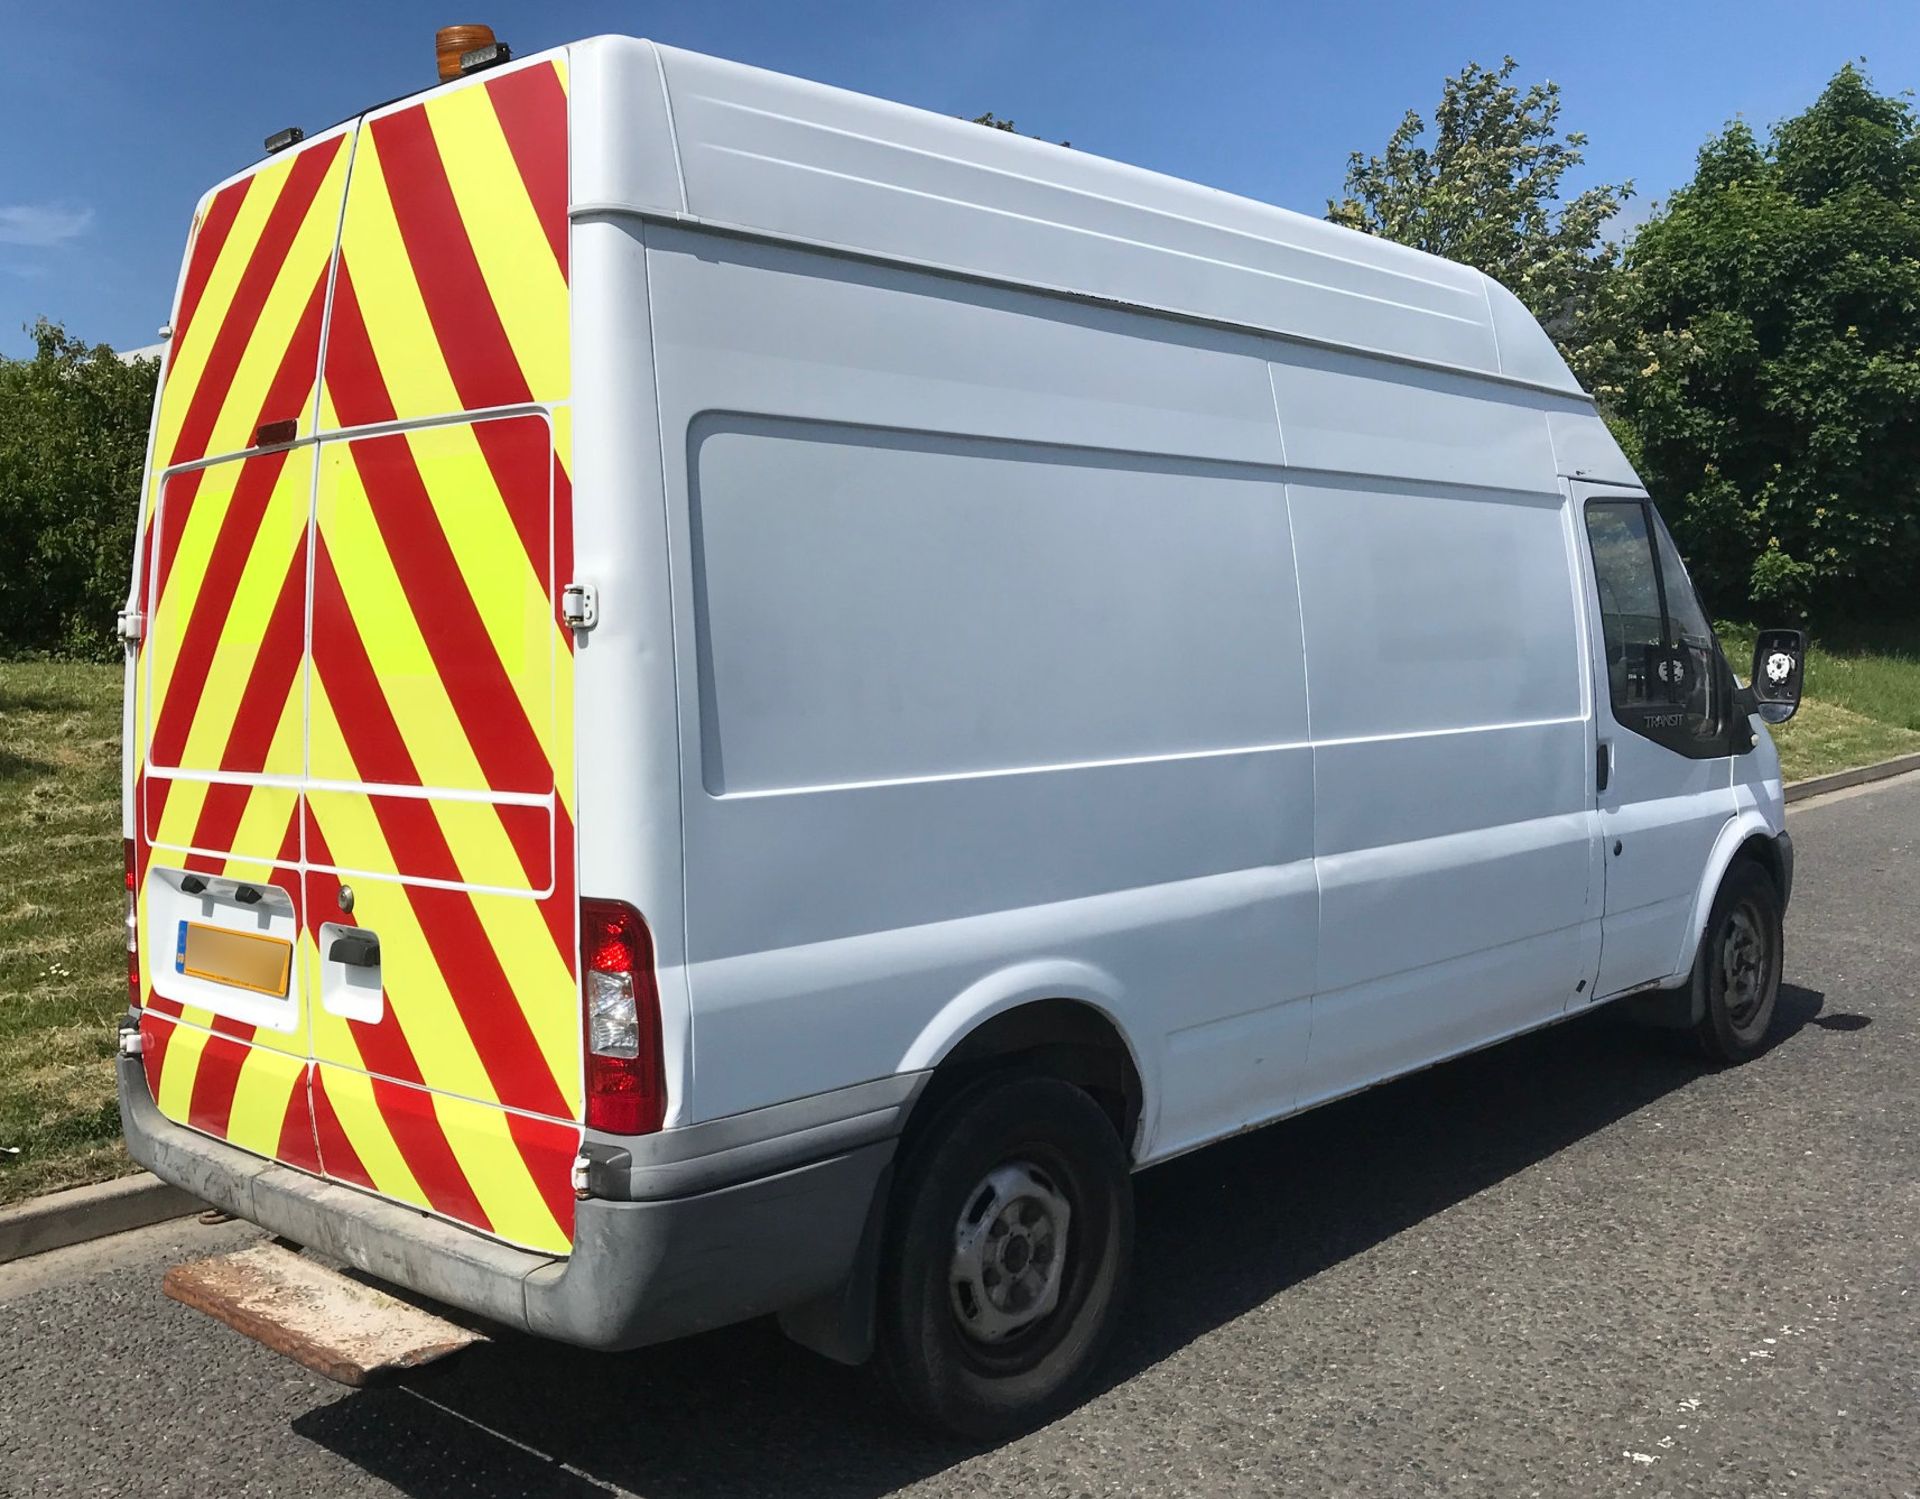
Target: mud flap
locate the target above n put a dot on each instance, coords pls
(332, 1324)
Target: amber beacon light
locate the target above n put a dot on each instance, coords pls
(451, 43)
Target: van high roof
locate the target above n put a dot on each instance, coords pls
(689, 137)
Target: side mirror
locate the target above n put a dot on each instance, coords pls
(1779, 664)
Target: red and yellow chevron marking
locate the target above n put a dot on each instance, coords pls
(453, 256)
(246, 335)
(410, 711)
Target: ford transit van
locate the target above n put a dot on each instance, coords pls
(740, 699)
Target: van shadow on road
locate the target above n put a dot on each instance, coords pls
(743, 1411)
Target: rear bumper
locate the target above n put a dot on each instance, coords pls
(640, 1272)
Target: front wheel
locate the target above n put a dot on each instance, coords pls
(1008, 1246)
(1737, 974)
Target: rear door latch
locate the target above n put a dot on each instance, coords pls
(580, 606)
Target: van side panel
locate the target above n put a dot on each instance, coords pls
(990, 655)
(1450, 712)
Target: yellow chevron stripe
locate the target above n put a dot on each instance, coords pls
(216, 301)
(267, 1080)
(178, 1070)
(282, 528)
(404, 343)
(516, 262)
(181, 814)
(351, 1094)
(484, 1146)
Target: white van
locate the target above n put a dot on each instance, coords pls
(742, 698)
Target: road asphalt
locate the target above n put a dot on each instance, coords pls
(1577, 1263)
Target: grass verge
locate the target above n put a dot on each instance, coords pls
(62, 964)
(1862, 703)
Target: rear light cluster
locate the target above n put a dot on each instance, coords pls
(133, 931)
(626, 1081)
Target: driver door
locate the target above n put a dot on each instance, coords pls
(1664, 766)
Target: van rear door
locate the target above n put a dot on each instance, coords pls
(440, 898)
(217, 728)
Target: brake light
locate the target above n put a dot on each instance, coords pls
(626, 1079)
(133, 931)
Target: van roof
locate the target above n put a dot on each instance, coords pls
(685, 136)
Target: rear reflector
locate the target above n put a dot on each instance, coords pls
(133, 931)
(626, 1082)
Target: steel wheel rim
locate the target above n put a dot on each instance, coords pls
(1744, 964)
(1009, 1253)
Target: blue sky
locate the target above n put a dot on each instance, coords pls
(117, 115)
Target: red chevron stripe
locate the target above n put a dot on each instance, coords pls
(239, 527)
(548, 1149)
(532, 109)
(459, 940)
(353, 377)
(207, 242)
(416, 1129)
(250, 296)
(214, 1081)
(154, 1036)
(297, 1145)
(459, 304)
(337, 1157)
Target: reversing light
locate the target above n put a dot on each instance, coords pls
(281, 139)
(133, 929)
(626, 1082)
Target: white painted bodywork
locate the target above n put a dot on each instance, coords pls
(1022, 576)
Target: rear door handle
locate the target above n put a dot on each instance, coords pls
(1602, 765)
(356, 950)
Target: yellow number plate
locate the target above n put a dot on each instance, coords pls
(246, 960)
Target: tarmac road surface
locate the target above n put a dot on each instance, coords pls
(1574, 1264)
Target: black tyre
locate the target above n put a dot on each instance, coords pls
(1008, 1245)
(1737, 973)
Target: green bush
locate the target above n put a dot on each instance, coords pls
(1760, 352)
(73, 437)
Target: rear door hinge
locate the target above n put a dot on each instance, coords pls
(130, 625)
(580, 606)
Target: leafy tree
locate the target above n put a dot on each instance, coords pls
(73, 436)
(993, 122)
(1760, 357)
(1485, 188)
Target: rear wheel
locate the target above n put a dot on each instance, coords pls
(1008, 1246)
(1737, 973)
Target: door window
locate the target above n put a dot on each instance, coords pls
(1665, 673)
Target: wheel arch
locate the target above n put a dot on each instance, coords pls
(1062, 1013)
(1747, 836)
